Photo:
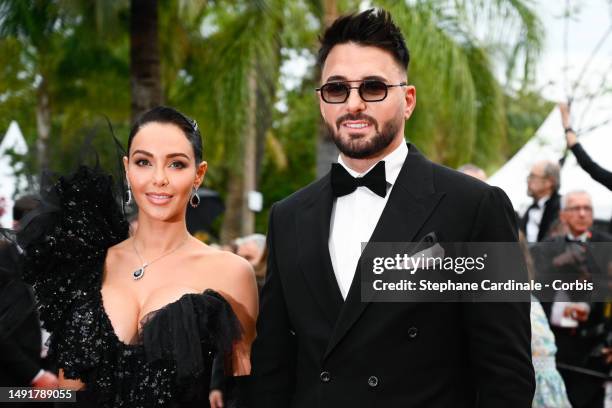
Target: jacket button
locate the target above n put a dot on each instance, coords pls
(373, 381)
(413, 332)
(325, 376)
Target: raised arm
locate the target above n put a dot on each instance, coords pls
(597, 172)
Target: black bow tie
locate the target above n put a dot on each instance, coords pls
(343, 183)
(534, 205)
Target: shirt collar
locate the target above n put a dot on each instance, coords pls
(542, 201)
(393, 164)
(584, 237)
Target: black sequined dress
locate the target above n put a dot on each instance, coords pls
(171, 364)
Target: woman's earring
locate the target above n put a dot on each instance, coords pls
(194, 201)
(128, 194)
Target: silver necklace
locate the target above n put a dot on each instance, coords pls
(139, 273)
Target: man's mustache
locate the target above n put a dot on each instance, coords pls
(360, 116)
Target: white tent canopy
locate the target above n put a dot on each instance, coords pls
(549, 143)
(9, 182)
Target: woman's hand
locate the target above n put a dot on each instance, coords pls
(65, 383)
(46, 381)
(216, 399)
(570, 137)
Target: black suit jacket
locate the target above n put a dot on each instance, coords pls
(315, 350)
(549, 216)
(20, 336)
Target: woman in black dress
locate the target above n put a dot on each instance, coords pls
(140, 321)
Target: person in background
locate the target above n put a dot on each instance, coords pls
(9, 252)
(550, 389)
(20, 331)
(474, 171)
(543, 185)
(581, 327)
(251, 248)
(597, 172)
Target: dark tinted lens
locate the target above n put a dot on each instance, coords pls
(335, 92)
(373, 90)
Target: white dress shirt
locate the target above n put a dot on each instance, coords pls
(354, 217)
(534, 218)
(584, 237)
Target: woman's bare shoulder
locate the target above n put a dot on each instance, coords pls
(224, 263)
(225, 268)
(119, 251)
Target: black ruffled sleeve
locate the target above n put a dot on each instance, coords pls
(192, 332)
(65, 240)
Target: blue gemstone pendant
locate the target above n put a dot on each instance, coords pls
(139, 273)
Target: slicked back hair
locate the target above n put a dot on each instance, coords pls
(373, 27)
(168, 115)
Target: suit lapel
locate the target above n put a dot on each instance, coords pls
(411, 203)
(314, 259)
(548, 215)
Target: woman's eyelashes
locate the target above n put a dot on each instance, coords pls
(142, 162)
(175, 164)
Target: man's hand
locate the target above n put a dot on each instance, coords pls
(570, 137)
(576, 312)
(46, 381)
(569, 257)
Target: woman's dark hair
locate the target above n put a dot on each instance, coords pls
(373, 27)
(165, 114)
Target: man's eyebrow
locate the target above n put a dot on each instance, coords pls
(171, 155)
(337, 78)
(375, 78)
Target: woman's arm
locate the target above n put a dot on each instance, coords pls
(240, 290)
(596, 172)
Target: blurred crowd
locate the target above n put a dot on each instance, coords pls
(571, 337)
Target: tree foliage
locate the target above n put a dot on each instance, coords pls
(472, 63)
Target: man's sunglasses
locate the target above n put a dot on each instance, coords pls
(370, 90)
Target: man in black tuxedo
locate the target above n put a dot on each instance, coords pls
(319, 345)
(582, 328)
(543, 185)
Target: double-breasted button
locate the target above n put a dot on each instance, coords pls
(325, 376)
(413, 332)
(373, 381)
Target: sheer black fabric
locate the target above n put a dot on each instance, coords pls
(65, 243)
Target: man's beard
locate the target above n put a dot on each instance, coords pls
(356, 148)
